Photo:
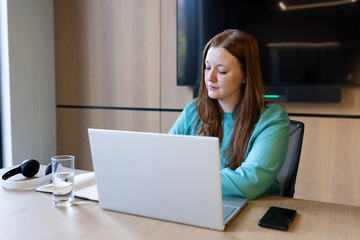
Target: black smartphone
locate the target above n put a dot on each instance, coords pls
(277, 218)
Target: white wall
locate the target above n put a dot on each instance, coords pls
(28, 94)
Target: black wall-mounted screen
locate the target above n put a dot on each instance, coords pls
(302, 43)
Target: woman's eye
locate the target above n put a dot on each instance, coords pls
(222, 72)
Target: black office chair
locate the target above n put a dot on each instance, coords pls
(287, 174)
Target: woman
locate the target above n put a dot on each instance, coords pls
(253, 135)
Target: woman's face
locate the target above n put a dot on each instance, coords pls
(223, 77)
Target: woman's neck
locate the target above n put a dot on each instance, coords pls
(226, 107)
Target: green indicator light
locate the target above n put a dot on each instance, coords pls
(271, 96)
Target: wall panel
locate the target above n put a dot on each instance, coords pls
(329, 164)
(349, 105)
(107, 52)
(72, 125)
(172, 96)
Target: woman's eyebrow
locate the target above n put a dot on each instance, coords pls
(217, 65)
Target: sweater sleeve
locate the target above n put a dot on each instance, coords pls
(184, 125)
(179, 126)
(268, 148)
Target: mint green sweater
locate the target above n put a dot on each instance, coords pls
(265, 155)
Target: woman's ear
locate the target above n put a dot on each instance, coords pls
(244, 81)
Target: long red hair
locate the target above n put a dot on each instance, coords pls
(247, 110)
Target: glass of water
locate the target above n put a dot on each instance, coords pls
(63, 180)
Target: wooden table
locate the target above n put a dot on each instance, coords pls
(30, 215)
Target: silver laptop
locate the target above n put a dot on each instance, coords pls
(170, 177)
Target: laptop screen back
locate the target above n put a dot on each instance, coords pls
(169, 177)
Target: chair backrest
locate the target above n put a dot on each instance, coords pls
(287, 174)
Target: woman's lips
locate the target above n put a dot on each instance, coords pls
(212, 87)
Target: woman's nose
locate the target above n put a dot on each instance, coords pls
(212, 75)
